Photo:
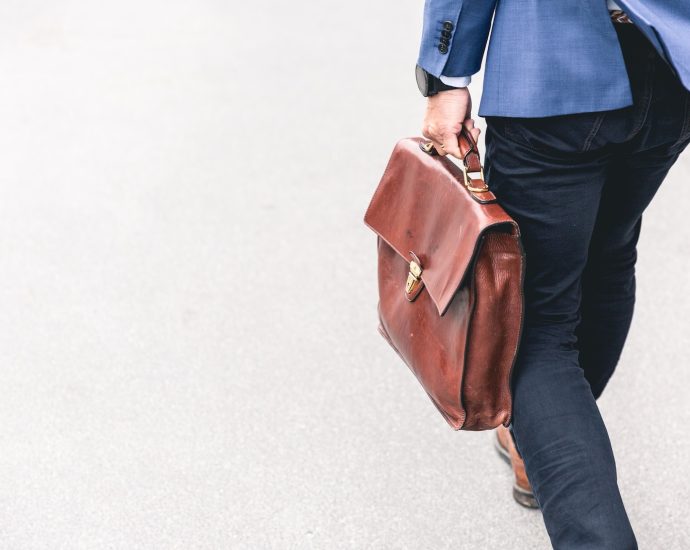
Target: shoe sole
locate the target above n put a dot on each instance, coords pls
(522, 497)
(525, 498)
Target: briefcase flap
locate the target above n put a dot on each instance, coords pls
(421, 205)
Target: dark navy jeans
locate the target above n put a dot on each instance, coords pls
(577, 185)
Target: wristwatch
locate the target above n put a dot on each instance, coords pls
(429, 84)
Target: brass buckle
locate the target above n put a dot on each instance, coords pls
(469, 180)
(427, 146)
(413, 277)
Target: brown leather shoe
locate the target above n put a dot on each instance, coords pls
(522, 490)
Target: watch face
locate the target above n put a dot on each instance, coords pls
(422, 80)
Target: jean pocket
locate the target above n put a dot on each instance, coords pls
(572, 133)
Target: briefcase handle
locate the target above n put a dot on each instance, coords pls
(471, 160)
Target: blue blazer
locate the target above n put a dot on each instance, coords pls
(548, 57)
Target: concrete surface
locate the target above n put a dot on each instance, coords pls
(187, 295)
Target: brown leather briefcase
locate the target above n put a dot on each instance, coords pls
(450, 277)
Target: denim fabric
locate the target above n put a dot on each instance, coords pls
(577, 185)
(548, 58)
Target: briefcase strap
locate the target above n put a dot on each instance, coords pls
(471, 164)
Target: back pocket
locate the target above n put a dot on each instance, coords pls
(573, 133)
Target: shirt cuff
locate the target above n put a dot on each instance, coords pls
(456, 81)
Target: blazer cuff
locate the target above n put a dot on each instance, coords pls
(454, 35)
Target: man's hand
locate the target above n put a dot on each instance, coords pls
(445, 113)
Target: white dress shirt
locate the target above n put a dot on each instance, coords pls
(462, 81)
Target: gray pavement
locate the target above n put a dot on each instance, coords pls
(188, 295)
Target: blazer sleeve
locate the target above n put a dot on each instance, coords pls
(454, 36)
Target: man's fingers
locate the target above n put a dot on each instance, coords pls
(445, 113)
(450, 143)
(432, 136)
(448, 138)
(441, 150)
(469, 124)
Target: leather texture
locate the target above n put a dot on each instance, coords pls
(460, 333)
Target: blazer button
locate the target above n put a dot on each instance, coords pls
(443, 48)
(448, 25)
(446, 34)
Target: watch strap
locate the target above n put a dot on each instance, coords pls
(437, 85)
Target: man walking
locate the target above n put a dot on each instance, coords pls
(587, 106)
